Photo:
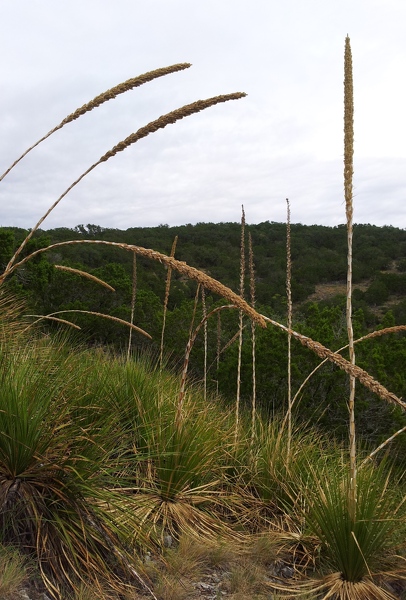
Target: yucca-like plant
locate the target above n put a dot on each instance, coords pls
(357, 554)
(354, 512)
(59, 456)
(176, 462)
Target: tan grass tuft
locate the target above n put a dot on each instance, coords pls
(13, 573)
(333, 586)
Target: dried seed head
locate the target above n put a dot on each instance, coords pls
(100, 99)
(169, 119)
(348, 128)
(121, 88)
(86, 275)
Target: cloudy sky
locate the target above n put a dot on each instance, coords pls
(284, 140)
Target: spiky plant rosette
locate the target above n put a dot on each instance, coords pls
(57, 465)
(179, 481)
(356, 555)
(176, 463)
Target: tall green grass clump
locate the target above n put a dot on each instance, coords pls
(177, 460)
(60, 453)
(357, 553)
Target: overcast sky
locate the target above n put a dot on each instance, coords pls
(284, 140)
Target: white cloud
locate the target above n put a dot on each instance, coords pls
(283, 140)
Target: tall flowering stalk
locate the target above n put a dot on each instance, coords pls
(133, 298)
(253, 337)
(289, 301)
(167, 290)
(240, 329)
(204, 310)
(348, 194)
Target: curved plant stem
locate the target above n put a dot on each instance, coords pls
(289, 301)
(96, 314)
(110, 94)
(86, 275)
(163, 121)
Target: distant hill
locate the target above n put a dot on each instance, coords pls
(319, 265)
(318, 256)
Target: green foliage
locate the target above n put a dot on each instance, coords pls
(59, 456)
(279, 462)
(176, 457)
(7, 242)
(96, 460)
(356, 548)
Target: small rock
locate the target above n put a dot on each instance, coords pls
(287, 572)
(206, 587)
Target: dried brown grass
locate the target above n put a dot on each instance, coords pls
(13, 573)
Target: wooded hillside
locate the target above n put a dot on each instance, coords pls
(318, 287)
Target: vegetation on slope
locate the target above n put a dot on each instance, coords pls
(105, 457)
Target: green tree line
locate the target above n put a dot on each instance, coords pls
(318, 259)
